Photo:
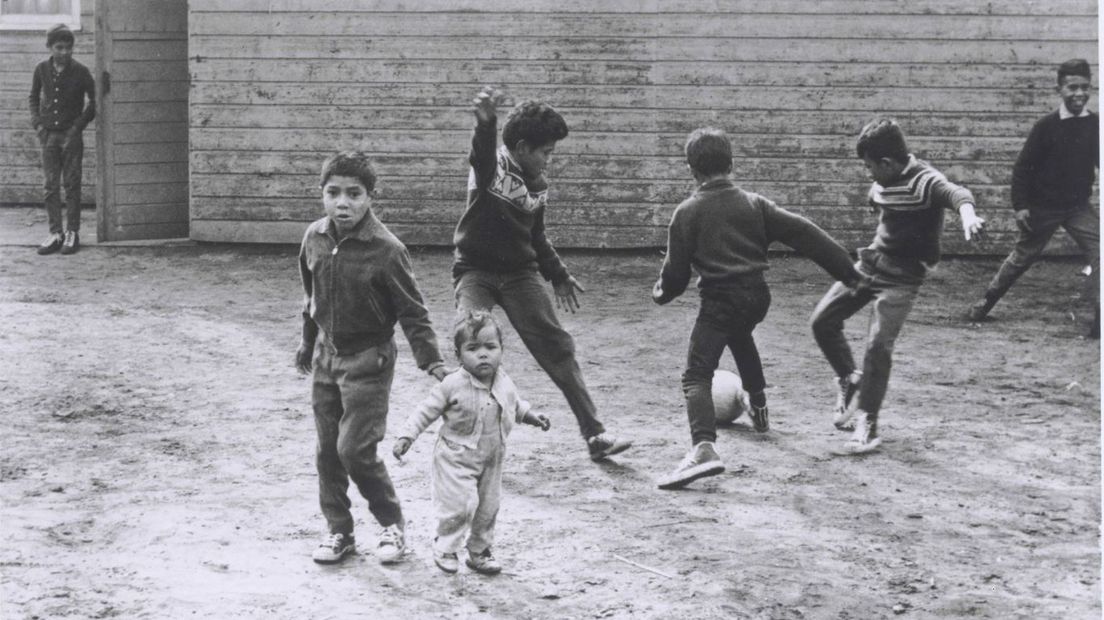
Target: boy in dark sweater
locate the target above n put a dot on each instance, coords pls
(502, 251)
(723, 232)
(910, 197)
(59, 115)
(357, 282)
(1051, 186)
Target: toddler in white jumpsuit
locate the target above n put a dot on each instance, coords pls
(479, 405)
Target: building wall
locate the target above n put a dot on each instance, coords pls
(279, 84)
(20, 154)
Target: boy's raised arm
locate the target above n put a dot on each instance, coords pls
(484, 157)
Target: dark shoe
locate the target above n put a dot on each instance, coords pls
(980, 309)
(602, 446)
(760, 418)
(447, 562)
(484, 563)
(334, 548)
(701, 461)
(51, 244)
(71, 243)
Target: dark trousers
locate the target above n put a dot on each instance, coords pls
(61, 165)
(350, 398)
(1082, 224)
(523, 298)
(726, 319)
(893, 292)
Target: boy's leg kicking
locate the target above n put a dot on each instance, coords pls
(530, 311)
(1029, 246)
(838, 305)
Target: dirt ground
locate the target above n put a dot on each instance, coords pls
(157, 457)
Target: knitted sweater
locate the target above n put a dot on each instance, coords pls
(724, 231)
(910, 220)
(502, 228)
(1056, 167)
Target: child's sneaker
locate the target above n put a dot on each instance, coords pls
(701, 461)
(759, 418)
(848, 386)
(447, 562)
(484, 563)
(334, 548)
(603, 445)
(71, 242)
(51, 244)
(862, 441)
(980, 310)
(392, 545)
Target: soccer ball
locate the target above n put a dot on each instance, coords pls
(730, 400)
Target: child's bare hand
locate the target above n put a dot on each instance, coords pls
(1023, 220)
(565, 294)
(439, 373)
(539, 420)
(486, 103)
(303, 358)
(402, 444)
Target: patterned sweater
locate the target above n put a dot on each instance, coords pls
(910, 220)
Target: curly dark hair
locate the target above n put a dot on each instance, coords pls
(349, 164)
(882, 138)
(535, 122)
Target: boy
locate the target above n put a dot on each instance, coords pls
(910, 196)
(357, 282)
(723, 232)
(479, 404)
(1051, 187)
(502, 251)
(59, 118)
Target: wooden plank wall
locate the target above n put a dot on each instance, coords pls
(279, 84)
(20, 153)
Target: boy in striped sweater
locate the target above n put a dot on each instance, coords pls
(910, 196)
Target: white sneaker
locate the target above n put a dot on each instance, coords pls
(392, 545)
(862, 440)
(701, 461)
(334, 548)
(847, 388)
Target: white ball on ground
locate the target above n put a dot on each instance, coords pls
(730, 400)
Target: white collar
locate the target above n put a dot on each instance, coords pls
(1064, 113)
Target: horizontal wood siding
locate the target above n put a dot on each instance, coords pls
(20, 154)
(279, 84)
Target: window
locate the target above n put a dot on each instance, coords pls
(39, 14)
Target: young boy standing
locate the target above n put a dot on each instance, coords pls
(502, 251)
(910, 197)
(357, 282)
(723, 232)
(480, 405)
(1052, 182)
(59, 115)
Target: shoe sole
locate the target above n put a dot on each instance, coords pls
(692, 474)
(448, 569)
(857, 449)
(481, 570)
(392, 559)
(615, 449)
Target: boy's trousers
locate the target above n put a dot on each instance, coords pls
(62, 164)
(894, 288)
(467, 486)
(727, 317)
(1082, 224)
(350, 398)
(529, 309)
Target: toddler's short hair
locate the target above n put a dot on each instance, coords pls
(1074, 66)
(708, 151)
(349, 164)
(882, 138)
(59, 32)
(535, 122)
(468, 325)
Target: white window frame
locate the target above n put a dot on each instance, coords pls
(26, 21)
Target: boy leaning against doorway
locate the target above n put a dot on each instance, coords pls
(357, 282)
(59, 88)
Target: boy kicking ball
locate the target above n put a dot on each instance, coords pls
(910, 196)
(723, 232)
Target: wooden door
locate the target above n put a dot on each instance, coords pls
(142, 119)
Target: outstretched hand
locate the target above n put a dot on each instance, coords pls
(487, 102)
(565, 294)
